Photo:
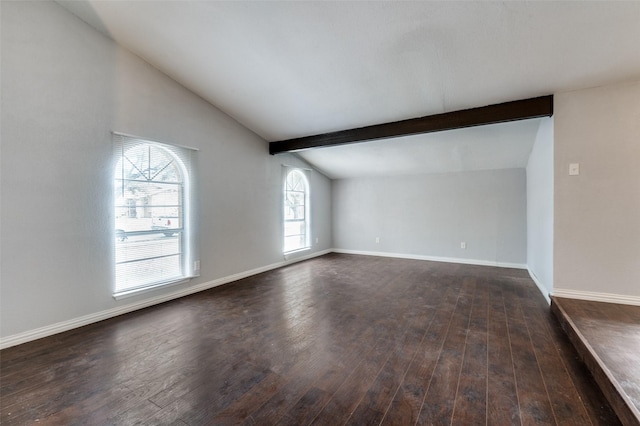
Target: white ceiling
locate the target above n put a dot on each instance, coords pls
(292, 69)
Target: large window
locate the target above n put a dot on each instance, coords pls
(296, 211)
(152, 211)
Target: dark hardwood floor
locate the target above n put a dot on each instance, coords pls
(340, 339)
(607, 337)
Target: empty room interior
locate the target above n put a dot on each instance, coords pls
(319, 212)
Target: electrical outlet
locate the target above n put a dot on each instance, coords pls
(196, 265)
(463, 245)
(317, 240)
(377, 240)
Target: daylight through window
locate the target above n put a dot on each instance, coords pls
(296, 211)
(151, 194)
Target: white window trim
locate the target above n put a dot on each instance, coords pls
(164, 284)
(307, 179)
(188, 252)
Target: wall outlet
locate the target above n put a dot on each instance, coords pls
(196, 265)
(463, 245)
(377, 240)
(317, 240)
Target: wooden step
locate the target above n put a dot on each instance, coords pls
(607, 338)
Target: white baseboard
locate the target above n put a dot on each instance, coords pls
(597, 297)
(434, 258)
(541, 286)
(50, 330)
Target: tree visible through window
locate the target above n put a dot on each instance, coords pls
(149, 196)
(296, 211)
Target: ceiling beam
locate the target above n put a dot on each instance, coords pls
(490, 114)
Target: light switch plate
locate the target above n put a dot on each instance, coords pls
(574, 169)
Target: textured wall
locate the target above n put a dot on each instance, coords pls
(540, 206)
(597, 214)
(65, 87)
(431, 214)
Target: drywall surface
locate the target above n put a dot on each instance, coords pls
(540, 206)
(65, 88)
(597, 213)
(431, 214)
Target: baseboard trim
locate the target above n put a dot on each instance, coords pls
(60, 327)
(434, 258)
(597, 297)
(541, 287)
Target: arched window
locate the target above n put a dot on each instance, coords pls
(296, 211)
(151, 201)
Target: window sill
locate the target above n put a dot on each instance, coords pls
(294, 252)
(136, 291)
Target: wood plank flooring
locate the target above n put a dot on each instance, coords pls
(607, 337)
(340, 339)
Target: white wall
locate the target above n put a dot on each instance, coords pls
(540, 208)
(431, 214)
(65, 87)
(597, 214)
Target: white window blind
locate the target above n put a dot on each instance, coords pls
(296, 210)
(153, 199)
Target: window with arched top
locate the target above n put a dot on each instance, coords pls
(296, 211)
(152, 210)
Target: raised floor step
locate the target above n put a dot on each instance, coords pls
(607, 337)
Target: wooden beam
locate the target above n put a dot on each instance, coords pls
(491, 114)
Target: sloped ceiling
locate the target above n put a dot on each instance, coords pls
(292, 69)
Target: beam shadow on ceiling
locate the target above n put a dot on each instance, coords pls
(491, 114)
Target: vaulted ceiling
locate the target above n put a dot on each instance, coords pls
(292, 69)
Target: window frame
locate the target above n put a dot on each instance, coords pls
(303, 173)
(181, 160)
